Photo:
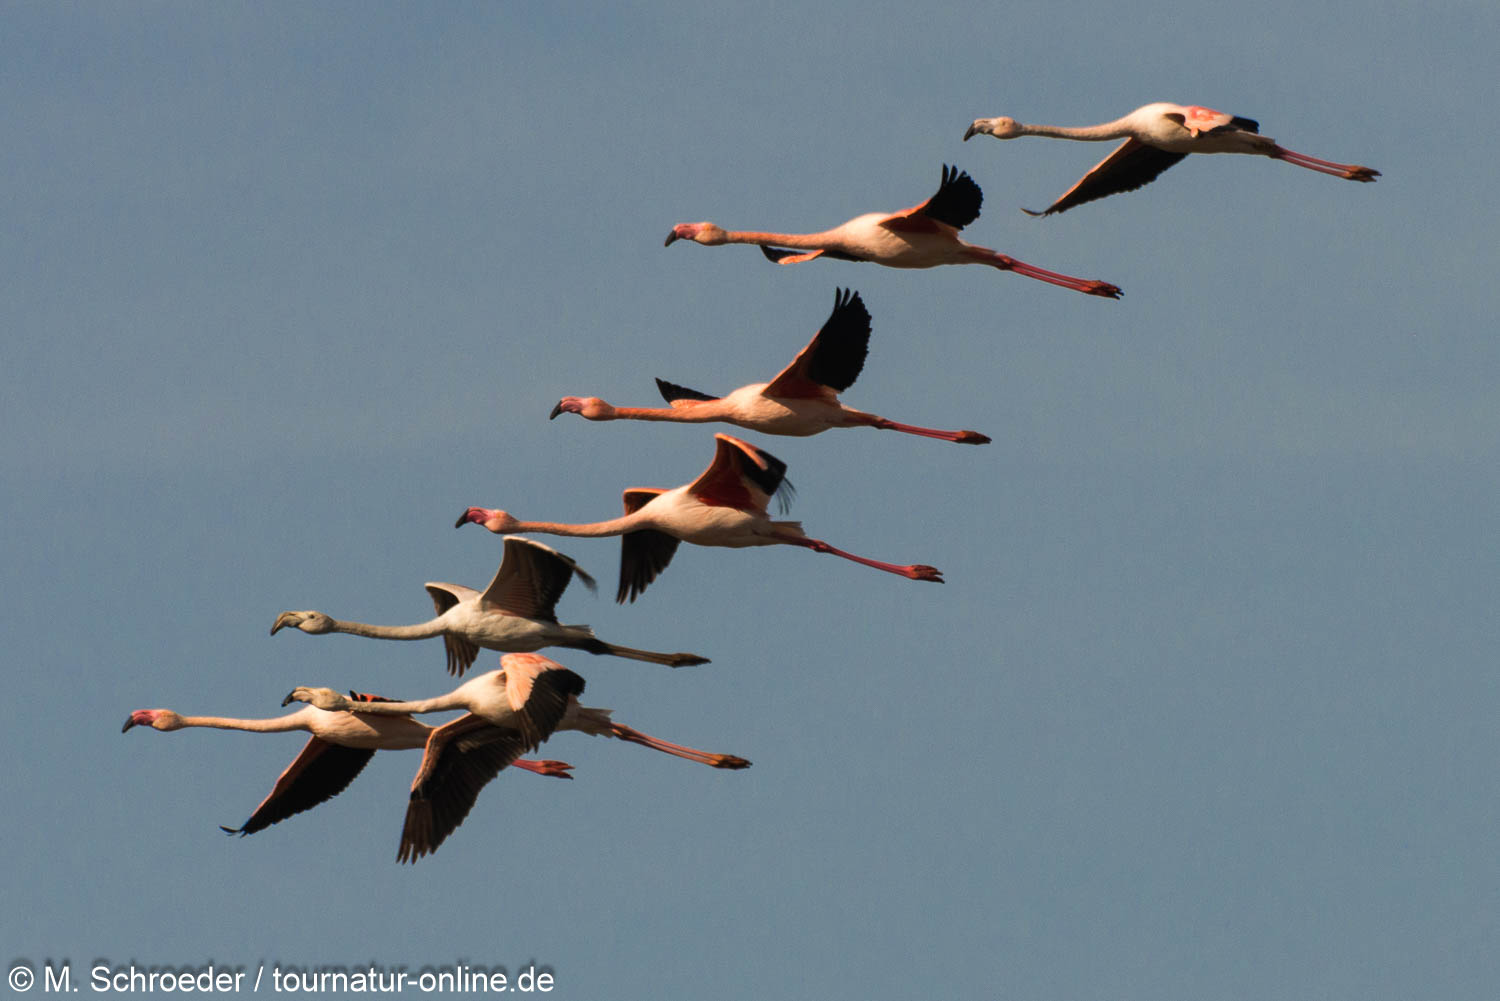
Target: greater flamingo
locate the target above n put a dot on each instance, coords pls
(1157, 136)
(510, 711)
(923, 236)
(341, 744)
(514, 614)
(724, 506)
(801, 400)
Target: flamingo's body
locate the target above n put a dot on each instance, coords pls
(509, 711)
(341, 744)
(514, 614)
(923, 236)
(1157, 136)
(724, 506)
(802, 399)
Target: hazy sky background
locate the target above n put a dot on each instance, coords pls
(1208, 705)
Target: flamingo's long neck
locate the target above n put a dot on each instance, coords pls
(279, 724)
(441, 703)
(697, 413)
(1118, 129)
(590, 530)
(797, 241)
(419, 631)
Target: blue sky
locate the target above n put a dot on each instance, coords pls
(1206, 708)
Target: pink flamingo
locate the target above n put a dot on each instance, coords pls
(1157, 136)
(801, 400)
(724, 506)
(923, 236)
(514, 614)
(509, 711)
(342, 743)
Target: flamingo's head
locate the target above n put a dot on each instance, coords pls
(705, 233)
(494, 519)
(1000, 128)
(589, 407)
(309, 622)
(323, 698)
(156, 719)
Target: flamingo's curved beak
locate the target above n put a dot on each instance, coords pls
(972, 131)
(671, 238)
(559, 408)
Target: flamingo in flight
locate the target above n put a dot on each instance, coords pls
(1157, 136)
(509, 712)
(923, 236)
(514, 614)
(342, 743)
(801, 400)
(724, 506)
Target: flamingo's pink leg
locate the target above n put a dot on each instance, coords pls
(962, 437)
(916, 571)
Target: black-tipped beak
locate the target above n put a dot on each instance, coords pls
(129, 722)
(971, 132)
(672, 236)
(462, 519)
(288, 700)
(558, 409)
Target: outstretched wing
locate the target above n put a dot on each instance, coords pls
(638, 497)
(538, 689)
(456, 767)
(645, 553)
(1242, 124)
(741, 476)
(461, 653)
(532, 576)
(368, 697)
(675, 394)
(1198, 119)
(956, 203)
(642, 554)
(834, 357)
(781, 256)
(319, 773)
(1131, 165)
(464, 755)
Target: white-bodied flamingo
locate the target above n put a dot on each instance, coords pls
(514, 614)
(923, 236)
(801, 400)
(724, 506)
(1157, 136)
